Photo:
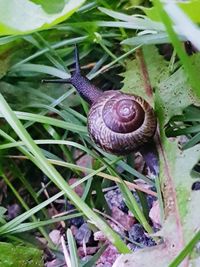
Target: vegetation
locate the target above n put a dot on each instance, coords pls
(141, 47)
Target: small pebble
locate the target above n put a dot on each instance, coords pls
(137, 234)
(196, 186)
(83, 234)
(115, 198)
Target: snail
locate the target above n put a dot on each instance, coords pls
(119, 123)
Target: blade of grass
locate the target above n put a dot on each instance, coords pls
(24, 227)
(72, 249)
(53, 46)
(183, 23)
(52, 55)
(66, 151)
(126, 167)
(189, 68)
(48, 142)
(187, 249)
(47, 120)
(23, 68)
(193, 141)
(185, 131)
(160, 200)
(21, 218)
(7, 39)
(15, 223)
(91, 262)
(53, 103)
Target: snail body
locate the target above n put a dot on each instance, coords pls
(119, 123)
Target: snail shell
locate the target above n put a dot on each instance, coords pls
(121, 123)
(118, 123)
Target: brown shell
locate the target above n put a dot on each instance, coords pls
(131, 132)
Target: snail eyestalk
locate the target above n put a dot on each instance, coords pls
(87, 91)
(77, 62)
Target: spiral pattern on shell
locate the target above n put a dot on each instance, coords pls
(121, 123)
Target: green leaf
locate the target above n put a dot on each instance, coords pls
(23, 68)
(2, 215)
(4, 66)
(191, 8)
(174, 89)
(176, 93)
(51, 6)
(147, 39)
(182, 217)
(157, 67)
(12, 255)
(157, 70)
(13, 14)
(133, 22)
(185, 26)
(133, 83)
(92, 261)
(178, 47)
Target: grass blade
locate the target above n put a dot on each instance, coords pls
(72, 249)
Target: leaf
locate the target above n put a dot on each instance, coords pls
(185, 26)
(2, 215)
(51, 6)
(13, 14)
(182, 217)
(72, 249)
(178, 46)
(133, 83)
(4, 66)
(130, 22)
(176, 93)
(180, 164)
(159, 256)
(12, 255)
(91, 262)
(147, 39)
(155, 65)
(191, 8)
